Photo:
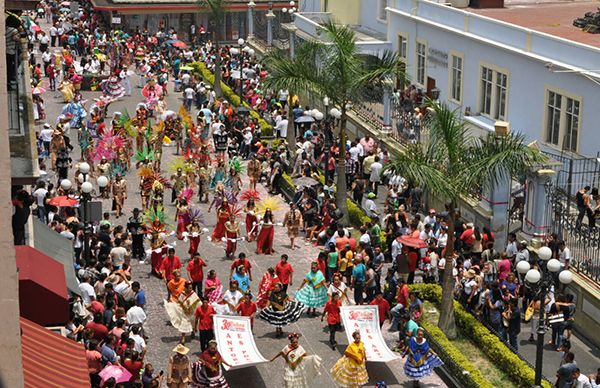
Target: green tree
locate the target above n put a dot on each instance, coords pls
(216, 8)
(451, 164)
(332, 67)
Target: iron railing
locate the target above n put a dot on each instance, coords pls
(18, 116)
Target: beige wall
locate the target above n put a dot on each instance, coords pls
(345, 11)
(11, 367)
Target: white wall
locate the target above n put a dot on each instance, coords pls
(528, 77)
(369, 16)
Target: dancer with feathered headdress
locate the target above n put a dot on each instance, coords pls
(181, 215)
(223, 213)
(264, 241)
(232, 234)
(251, 218)
(156, 230)
(194, 229)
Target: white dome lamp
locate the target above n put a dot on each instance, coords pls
(241, 41)
(86, 187)
(102, 181)
(565, 277)
(533, 276)
(82, 178)
(314, 112)
(544, 253)
(553, 265)
(523, 266)
(84, 168)
(284, 9)
(319, 116)
(251, 52)
(66, 184)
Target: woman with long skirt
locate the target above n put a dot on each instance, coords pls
(281, 310)
(265, 287)
(300, 368)
(223, 213)
(350, 370)
(207, 371)
(313, 292)
(213, 289)
(181, 311)
(421, 359)
(264, 241)
(251, 220)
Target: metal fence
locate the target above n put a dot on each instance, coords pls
(18, 118)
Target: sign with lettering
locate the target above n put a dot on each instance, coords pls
(235, 341)
(366, 320)
(437, 57)
(116, 20)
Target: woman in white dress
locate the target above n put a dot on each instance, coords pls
(300, 368)
(231, 298)
(181, 312)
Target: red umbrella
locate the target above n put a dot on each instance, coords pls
(63, 201)
(413, 242)
(179, 44)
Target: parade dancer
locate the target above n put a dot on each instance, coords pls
(119, 194)
(280, 310)
(421, 359)
(207, 371)
(232, 231)
(223, 214)
(300, 368)
(313, 292)
(104, 169)
(254, 171)
(264, 241)
(194, 230)
(293, 220)
(350, 370)
(251, 220)
(181, 310)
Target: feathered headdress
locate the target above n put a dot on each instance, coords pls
(187, 194)
(150, 177)
(107, 147)
(195, 214)
(181, 163)
(236, 165)
(220, 196)
(271, 202)
(118, 169)
(247, 194)
(151, 215)
(144, 154)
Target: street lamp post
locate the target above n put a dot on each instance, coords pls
(270, 16)
(540, 283)
(241, 42)
(251, 6)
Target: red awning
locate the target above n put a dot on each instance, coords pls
(43, 294)
(51, 360)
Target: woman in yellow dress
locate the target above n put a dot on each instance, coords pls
(350, 370)
(67, 90)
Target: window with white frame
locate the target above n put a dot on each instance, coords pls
(421, 58)
(562, 120)
(493, 93)
(456, 77)
(403, 47)
(381, 12)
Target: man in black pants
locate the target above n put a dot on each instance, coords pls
(582, 201)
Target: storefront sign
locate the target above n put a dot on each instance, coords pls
(438, 57)
(116, 20)
(235, 341)
(366, 320)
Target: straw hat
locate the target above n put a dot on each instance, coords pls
(181, 349)
(470, 274)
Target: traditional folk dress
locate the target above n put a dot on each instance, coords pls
(421, 359)
(232, 229)
(347, 372)
(293, 221)
(264, 241)
(213, 289)
(313, 294)
(305, 371)
(281, 311)
(181, 312)
(251, 224)
(182, 219)
(194, 232)
(266, 285)
(207, 372)
(222, 217)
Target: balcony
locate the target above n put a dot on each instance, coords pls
(21, 126)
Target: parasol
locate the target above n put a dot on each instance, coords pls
(186, 68)
(38, 90)
(305, 181)
(305, 119)
(63, 201)
(176, 43)
(413, 242)
(167, 113)
(120, 374)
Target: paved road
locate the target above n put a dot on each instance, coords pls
(163, 337)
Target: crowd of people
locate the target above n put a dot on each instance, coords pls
(217, 149)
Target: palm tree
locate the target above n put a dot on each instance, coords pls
(216, 9)
(332, 67)
(454, 164)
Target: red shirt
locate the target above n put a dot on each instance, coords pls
(100, 331)
(94, 361)
(134, 368)
(205, 317)
(283, 272)
(333, 312)
(195, 270)
(169, 266)
(340, 243)
(402, 296)
(413, 258)
(383, 306)
(247, 309)
(97, 307)
(322, 265)
(244, 262)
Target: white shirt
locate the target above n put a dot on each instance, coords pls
(46, 134)
(583, 382)
(189, 93)
(354, 153)
(232, 298)
(185, 78)
(44, 39)
(140, 344)
(564, 256)
(396, 249)
(365, 238)
(40, 195)
(282, 127)
(87, 292)
(53, 31)
(136, 316)
(376, 168)
(46, 57)
(511, 249)
(371, 207)
(248, 137)
(117, 254)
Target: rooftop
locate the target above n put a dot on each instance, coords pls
(554, 18)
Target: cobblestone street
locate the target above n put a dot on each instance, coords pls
(163, 337)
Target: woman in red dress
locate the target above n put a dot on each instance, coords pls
(223, 213)
(251, 220)
(264, 241)
(266, 285)
(232, 231)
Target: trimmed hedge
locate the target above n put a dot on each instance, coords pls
(232, 97)
(476, 379)
(518, 370)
